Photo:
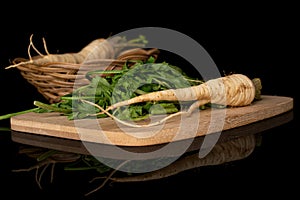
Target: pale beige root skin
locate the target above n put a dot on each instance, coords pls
(231, 90)
(97, 49)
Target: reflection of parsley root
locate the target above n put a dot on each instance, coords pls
(232, 90)
(232, 150)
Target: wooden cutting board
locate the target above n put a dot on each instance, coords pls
(108, 131)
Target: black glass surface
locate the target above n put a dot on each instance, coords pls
(268, 169)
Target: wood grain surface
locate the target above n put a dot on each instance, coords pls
(108, 131)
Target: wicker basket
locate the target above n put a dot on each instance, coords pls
(54, 80)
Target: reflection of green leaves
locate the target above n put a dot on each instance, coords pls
(5, 129)
(87, 162)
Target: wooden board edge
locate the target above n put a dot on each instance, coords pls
(89, 136)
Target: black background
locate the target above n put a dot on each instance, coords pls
(258, 41)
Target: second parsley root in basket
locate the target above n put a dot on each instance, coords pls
(53, 75)
(97, 49)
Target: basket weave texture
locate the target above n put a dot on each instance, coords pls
(56, 79)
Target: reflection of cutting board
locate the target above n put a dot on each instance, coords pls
(107, 131)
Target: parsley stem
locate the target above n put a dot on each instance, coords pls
(17, 113)
(51, 107)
